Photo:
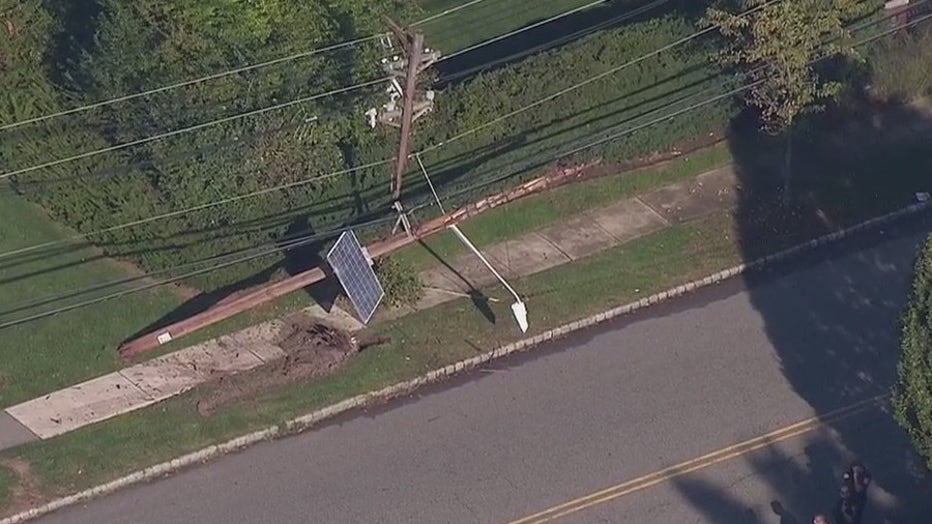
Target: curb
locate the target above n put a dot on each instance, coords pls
(305, 422)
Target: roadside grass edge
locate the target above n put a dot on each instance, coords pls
(308, 421)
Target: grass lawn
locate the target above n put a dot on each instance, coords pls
(452, 331)
(7, 482)
(100, 452)
(71, 347)
(486, 19)
(539, 211)
(832, 182)
(500, 224)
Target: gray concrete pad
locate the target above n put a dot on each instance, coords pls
(177, 372)
(13, 432)
(86, 403)
(434, 297)
(526, 255)
(628, 219)
(695, 198)
(579, 237)
(259, 340)
(464, 272)
(337, 318)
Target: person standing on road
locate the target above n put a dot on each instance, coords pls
(853, 494)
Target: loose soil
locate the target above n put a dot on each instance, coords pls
(27, 493)
(311, 350)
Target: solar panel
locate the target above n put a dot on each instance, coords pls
(351, 265)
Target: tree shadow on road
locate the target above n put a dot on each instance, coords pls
(836, 337)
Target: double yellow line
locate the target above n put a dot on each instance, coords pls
(705, 461)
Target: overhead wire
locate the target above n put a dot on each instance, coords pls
(228, 72)
(550, 44)
(275, 107)
(196, 127)
(529, 27)
(440, 144)
(668, 116)
(590, 80)
(192, 209)
(308, 239)
(445, 12)
(370, 165)
(571, 152)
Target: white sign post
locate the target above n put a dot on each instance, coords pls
(519, 309)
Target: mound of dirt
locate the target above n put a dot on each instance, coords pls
(311, 350)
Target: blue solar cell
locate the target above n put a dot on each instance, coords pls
(352, 268)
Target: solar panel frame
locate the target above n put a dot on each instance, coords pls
(351, 266)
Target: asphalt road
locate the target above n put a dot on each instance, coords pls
(606, 407)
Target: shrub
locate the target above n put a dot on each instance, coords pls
(515, 149)
(902, 66)
(912, 399)
(401, 282)
(158, 42)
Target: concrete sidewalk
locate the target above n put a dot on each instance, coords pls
(582, 236)
(152, 381)
(163, 377)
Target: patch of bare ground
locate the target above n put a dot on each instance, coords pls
(27, 492)
(312, 350)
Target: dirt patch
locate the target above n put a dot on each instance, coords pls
(311, 350)
(27, 493)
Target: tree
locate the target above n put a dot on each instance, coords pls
(912, 399)
(64, 54)
(777, 46)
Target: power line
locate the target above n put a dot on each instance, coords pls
(729, 93)
(229, 72)
(200, 207)
(553, 43)
(285, 243)
(445, 12)
(590, 80)
(176, 132)
(292, 244)
(189, 129)
(571, 152)
(538, 24)
(386, 161)
(373, 164)
(215, 267)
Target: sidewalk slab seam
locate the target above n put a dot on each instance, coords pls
(305, 422)
(80, 405)
(628, 219)
(578, 237)
(586, 234)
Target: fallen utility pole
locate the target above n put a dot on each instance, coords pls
(378, 249)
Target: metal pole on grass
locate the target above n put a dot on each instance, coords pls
(519, 309)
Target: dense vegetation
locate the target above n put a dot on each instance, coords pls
(94, 51)
(61, 55)
(89, 52)
(902, 67)
(913, 398)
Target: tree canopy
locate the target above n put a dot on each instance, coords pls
(777, 45)
(913, 395)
